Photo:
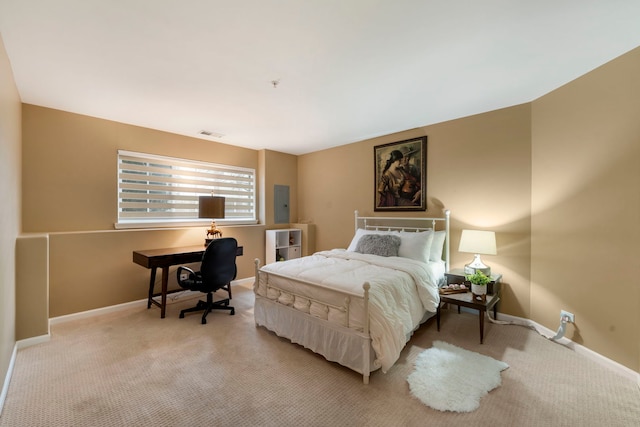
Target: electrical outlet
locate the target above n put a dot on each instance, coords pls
(569, 316)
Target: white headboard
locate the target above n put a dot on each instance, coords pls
(415, 224)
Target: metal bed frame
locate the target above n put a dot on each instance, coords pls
(355, 338)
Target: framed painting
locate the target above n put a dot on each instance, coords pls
(400, 175)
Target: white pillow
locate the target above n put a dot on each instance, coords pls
(437, 245)
(419, 246)
(361, 232)
(416, 246)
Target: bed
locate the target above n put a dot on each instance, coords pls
(358, 306)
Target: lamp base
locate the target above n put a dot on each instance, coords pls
(477, 265)
(214, 232)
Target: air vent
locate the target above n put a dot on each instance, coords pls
(210, 133)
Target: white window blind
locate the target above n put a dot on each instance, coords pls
(164, 189)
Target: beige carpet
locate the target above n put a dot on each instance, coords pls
(132, 368)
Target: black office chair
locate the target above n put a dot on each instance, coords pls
(217, 270)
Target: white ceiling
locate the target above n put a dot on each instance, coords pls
(348, 70)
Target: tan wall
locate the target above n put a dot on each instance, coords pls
(32, 286)
(478, 167)
(280, 169)
(586, 209)
(91, 262)
(94, 269)
(9, 208)
(72, 166)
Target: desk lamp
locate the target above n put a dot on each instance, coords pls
(478, 242)
(211, 207)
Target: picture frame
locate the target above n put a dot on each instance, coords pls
(400, 173)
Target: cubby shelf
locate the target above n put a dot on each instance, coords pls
(283, 244)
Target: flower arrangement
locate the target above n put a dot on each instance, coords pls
(478, 278)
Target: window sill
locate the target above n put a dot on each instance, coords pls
(179, 224)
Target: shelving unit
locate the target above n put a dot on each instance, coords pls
(283, 244)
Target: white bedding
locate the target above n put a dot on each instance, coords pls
(402, 291)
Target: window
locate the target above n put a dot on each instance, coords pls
(154, 189)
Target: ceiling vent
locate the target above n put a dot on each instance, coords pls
(212, 134)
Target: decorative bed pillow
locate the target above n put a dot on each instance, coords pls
(416, 246)
(379, 244)
(362, 232)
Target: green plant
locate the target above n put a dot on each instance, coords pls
(478, 278)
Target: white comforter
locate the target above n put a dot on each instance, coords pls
(402, 290)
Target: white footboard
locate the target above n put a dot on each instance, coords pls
(334, 325)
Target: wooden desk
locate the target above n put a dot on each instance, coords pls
(165, 258)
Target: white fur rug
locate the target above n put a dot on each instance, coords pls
(449, 378)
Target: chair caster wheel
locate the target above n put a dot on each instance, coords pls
(181, 316)
(233, 312)
(204, 321)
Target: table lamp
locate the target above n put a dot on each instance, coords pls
(211, 207)
(478, 242)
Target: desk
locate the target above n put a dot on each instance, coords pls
(165, 258)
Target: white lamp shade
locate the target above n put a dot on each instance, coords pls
(478, 242)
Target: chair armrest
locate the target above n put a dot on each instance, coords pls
(190, 279)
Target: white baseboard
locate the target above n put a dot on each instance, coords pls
(7, 378)
(171, 299)
(18, 345)
(597, 357)
(96, 312)
(28, 342)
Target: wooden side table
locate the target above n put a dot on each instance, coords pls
(466, 299)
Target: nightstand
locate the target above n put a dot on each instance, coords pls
(457, 275)
(466, 299)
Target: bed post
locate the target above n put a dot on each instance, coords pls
(366, 288)
(366, 345)
(356, 220)
(257, 267)
(447, 215)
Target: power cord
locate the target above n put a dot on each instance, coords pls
(503, 322)
(174, 296)
(561, 330)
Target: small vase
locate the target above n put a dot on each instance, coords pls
(479, 292)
